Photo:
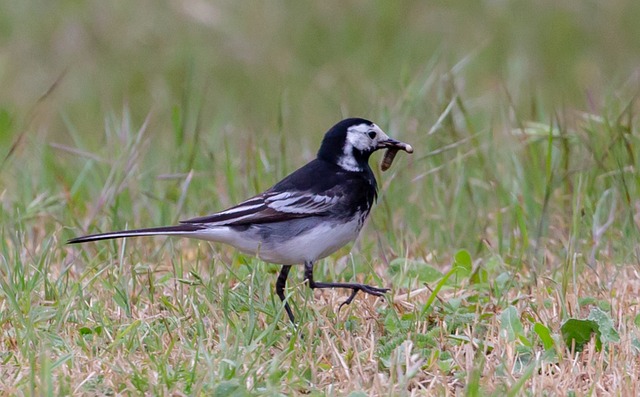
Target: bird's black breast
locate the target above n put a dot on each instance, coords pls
(356, 191)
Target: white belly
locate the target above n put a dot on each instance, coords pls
(286, 246)
(311, 246)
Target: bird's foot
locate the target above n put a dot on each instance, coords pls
(364, 288)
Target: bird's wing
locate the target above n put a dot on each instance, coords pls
(273, 206)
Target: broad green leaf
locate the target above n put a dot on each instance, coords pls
(587, 300)
(480, 276)
(428, 274)
(395, 266)
(412, 269)
(227, 388)
(462, 266)
(580, 332)
(510, 323)
(605, 325)
(544, 334)
(85, 331)
(502, 281)
(462, 259)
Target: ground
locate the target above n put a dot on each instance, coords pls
(509, 239)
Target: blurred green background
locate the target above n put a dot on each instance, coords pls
(250, 63)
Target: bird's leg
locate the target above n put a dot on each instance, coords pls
(354, 287)
(280, 284)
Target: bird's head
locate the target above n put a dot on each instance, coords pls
(350, 142)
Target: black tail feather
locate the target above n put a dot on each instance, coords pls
(153, 231)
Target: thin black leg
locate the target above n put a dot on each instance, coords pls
(280, 284)
(354, 287)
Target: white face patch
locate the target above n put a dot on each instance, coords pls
(363, 137)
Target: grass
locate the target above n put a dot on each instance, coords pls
(509, 238)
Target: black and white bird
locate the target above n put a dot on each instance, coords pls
(305, 217)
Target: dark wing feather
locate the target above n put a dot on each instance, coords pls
(271, 207)
(234, 215)
(316, 189)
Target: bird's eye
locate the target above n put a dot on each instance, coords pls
(372, 134)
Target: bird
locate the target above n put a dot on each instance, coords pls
(307, 216)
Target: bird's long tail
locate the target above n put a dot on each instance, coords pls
(179, 230)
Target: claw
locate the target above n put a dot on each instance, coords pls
(349, 300)
(375, 290)
(365, 288)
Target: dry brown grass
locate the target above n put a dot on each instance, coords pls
(325, 354)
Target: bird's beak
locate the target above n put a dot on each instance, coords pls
(391, 143)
